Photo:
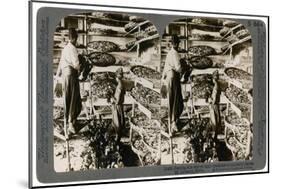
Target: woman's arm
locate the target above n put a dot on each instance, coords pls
(59, 69)
(214, 93)
(74, 59)
(167, 66)
(176, 62)
(119, 93)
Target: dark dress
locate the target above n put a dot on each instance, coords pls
(118, 117)
(175, 99)
(72, 99)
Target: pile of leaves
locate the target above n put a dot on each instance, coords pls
(201, 50)
(103, 46)
(202, 86)
(103, 85)
(145, 96)
(145, 72)
(102, 59)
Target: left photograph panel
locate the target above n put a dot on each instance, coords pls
(106, 72)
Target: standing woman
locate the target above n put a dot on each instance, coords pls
(171, 77)
(118, 117)
(69, 66)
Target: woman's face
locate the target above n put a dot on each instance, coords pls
(175, 45)
(216, 76)
(74, 40)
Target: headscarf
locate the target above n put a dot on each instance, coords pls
(119, 73)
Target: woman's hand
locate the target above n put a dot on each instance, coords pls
(57, 88)
(88, 59)
(163, 81)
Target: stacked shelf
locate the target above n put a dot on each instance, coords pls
(144, 122)
(239, 119)
(145, 138)
(193, 33)
(236, 34)
(240, 82)
(146, 76)
(104, 35)
(143, 31)
(237, 136)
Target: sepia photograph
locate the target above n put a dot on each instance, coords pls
(206, 90)
(128, 95)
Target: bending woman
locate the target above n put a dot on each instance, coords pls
(118, 117)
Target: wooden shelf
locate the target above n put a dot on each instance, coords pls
(104, 102)
(142, 108)
(138, 25)
(78, 16)
(143, 40)
(181, 37)
(237, 43)
(205, 26)
(106, 19)
(179, 22)
(216, 40)
(112, 68)
(82, 33)
(60, 34)
(147, 83)
(121, 35)
(231, 29)
(207, 71)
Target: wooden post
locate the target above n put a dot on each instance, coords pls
(133, 109)
(187, 99)
(91, 98)
(138, 45)
(66, 138)
(159, 150)
(191, 100)
(186, 36)
(170, 133)
(131, 131)
(85, 30)
(62, 22)
(231, 56)
(138, 50)
(167, 29)
(134, 104)
(67, 155)
(227, 108)
(251, 111)
(171, 150)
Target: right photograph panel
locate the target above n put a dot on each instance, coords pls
(206, 91)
